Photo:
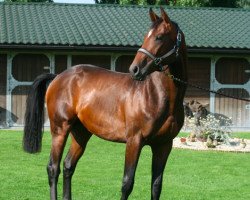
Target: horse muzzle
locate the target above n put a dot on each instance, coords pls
(136, 73)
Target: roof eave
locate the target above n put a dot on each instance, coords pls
(217, 50)
(70, 47)
(107, 48)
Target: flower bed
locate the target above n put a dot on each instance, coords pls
(234, 145)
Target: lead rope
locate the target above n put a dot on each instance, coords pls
(205, 89)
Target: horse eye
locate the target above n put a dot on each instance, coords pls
(159, 37)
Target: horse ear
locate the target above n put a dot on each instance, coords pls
(152, 15)
(164, 16)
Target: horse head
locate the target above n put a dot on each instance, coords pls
(160, 47)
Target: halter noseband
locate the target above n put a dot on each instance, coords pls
(158, 60)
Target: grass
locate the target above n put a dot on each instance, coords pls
(245, 135)
(189, 175)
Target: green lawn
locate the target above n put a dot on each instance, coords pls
(245, 135)
(189, 175)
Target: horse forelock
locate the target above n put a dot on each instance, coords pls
(156, 23)
(159, 21)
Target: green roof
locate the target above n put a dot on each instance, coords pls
(112, 25)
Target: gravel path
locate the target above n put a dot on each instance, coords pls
(235, 145)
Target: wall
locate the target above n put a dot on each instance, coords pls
(3, 76)
(232, 77)
(221, 73)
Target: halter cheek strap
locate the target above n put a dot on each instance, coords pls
(158, 60)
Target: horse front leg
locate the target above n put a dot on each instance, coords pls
(133, 149)
(160, 156)
(53, 169)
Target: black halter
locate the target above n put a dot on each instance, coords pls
(175, 50)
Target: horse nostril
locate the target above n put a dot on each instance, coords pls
(136, 70)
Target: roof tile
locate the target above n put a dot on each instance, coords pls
(112, 25)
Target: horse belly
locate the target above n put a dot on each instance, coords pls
(106, 126)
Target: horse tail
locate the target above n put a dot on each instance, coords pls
(34, 114)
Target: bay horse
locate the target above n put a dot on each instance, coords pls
(145, 109)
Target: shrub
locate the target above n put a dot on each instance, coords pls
(210, 127)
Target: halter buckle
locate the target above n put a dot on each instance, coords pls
(157, 61)
(178, 39)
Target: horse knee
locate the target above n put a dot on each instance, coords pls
(53, 173)
(156, 188)
(157, 182)
(127, 185)
(68, 169)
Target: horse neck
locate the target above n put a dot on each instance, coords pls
(163, 83)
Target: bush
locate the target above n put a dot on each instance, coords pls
(210, 127)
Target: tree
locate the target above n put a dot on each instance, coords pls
(244, 3)
(26, 1)
(222, 3)
(193, 3)
(107, 1)
(208, 3)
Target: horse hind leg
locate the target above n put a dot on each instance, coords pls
(80, 137)
(59, 138)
